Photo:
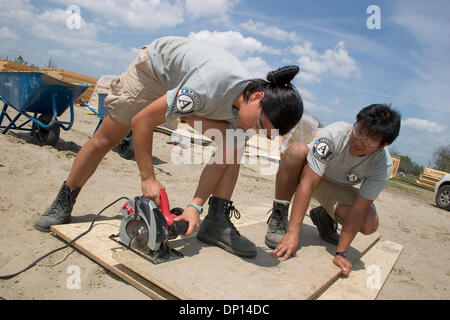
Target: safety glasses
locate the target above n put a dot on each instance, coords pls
(369, 142)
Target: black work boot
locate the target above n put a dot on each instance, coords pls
(277, 224)
(217, 229)
(326, 226)
(60, 210)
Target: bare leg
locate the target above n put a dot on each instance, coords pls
(220, 177)
(371, 221)
(110, 133)
(225, 188)
(290, 170)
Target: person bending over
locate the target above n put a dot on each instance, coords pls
(328, 169)
(176, 77)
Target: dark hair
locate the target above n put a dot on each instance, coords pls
(282, 103)
(380, 120)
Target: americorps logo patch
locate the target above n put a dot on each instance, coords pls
(322, 149)
(353, 177)
(187, 101)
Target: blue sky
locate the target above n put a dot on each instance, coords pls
(345, 66)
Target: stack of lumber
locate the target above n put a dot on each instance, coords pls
(73, 77)
(395, 164)
(430, 177)
(6, 65)
(61, 74)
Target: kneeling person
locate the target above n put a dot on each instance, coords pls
(328, 169)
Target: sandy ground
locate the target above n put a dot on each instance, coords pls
(30, 177)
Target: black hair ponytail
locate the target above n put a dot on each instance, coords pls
(282, 103)
(283, 76)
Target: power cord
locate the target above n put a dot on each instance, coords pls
(10, 276)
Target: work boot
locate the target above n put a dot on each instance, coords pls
(277, 223)
(326, 226)
(217, 229)
(60, 210)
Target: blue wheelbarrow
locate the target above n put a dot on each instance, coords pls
(41, 99)
(125, 147)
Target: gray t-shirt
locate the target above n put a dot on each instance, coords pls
(330, 158)
(202, 79)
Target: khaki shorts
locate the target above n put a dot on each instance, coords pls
(331, 195)
(134, 89)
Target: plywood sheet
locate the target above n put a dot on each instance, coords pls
(97, 245)
(368, 274)
(208, 272)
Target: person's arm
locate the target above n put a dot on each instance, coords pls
(354, 220)
(309, 180)
(143, 125)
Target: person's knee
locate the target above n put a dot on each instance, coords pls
(102, 143)
(295, 154)
(371, 225)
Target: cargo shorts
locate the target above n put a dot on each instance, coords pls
(331, 195)
(134, 89)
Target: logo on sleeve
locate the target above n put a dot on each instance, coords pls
(322, 149)
(187, 101)
(353, 177)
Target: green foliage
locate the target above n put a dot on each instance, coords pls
(441, 158)
(21, 60)
(407, 166)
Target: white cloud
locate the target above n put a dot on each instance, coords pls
(271, 32)
(234, 42)
(75, 46)
(8, 34)
(139, 14)
(428, 24)
(314, 64)
(307, 77)
(422, 125)
(306, 94)
(208, 8)
(315, 109)
(257, 67)
(153, 14)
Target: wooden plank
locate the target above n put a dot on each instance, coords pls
(435, 172)
(426, 185)
(194, 137)
(8, 65)
(78, 76)
(208, 272)
(97, 245)
(425, 179)
(368, 274)
(395, 165)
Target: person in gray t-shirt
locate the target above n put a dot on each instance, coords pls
(341, 157)
(176, 77)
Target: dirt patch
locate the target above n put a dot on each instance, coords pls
(31, 176)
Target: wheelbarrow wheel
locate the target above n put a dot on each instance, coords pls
(45, 136)
(125, 149)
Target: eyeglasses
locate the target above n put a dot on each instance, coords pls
(369, 142)
(261, 126)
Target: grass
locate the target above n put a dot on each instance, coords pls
(407, 185)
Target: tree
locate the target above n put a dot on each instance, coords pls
(441, 158)
(406, 166)
(20, 60)
(51, 64)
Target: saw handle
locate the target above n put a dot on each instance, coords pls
(177, 227)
